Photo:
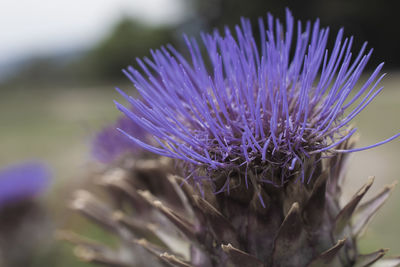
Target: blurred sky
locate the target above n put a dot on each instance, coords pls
(32, 27)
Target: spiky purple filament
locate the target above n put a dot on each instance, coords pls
(273, 104)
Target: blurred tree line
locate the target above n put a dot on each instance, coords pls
(375, 21)
(129, 40)
(371, 20)
(100, 64)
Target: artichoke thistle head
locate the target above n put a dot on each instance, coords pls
(22, 182)
(24, 223)
(262, 131)
(244, 109)
(109, 146)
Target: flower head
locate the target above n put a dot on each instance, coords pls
(269, 106)
(22, 181)
(109, 144)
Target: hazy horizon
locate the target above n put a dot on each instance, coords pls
(26, 31)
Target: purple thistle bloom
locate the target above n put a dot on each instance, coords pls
(109, 144)
(242, 104)
(22, 181)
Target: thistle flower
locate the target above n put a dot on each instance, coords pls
(23, 222)
(270, 115)
(268, 107)
(109, 144)
(21, 182)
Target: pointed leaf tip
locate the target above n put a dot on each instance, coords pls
(173, 260)
(315, 205)
(365, 212)
(368, 259)
(222, 227)
(344, 216)
(390, 262)
(291, 242)
(330, 257)
(150, 247)
(105, 257)
(240, 258)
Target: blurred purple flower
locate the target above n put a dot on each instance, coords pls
(22, 181)
(109, 143)
(243, 104)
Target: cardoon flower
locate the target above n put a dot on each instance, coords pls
(256, 107)
(21, 182)
(109, 144)
(263, 133)
(23, 222)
